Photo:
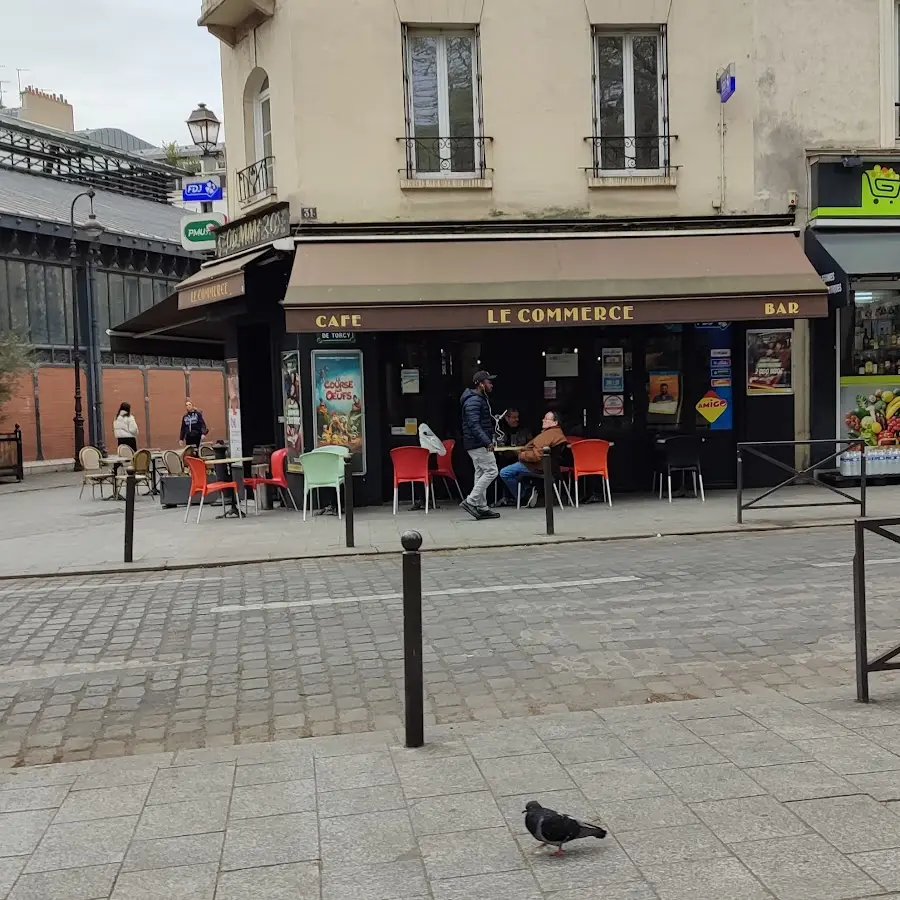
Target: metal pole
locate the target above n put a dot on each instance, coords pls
(20, 458)
(862, 483)
(78, 419)
(740, 488)
(859, 612)
(548, 489)
(348, 501)
(130, 488)
(93, 332)
(412, 639)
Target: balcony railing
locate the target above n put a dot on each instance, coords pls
(256, 181)
(641, 154)
(445, 157)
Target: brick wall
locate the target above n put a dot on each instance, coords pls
(208, 394)
(164, 399)
(167, 387)
(124, 386)
(20, 410)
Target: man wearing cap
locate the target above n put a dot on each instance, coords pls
(478, 440)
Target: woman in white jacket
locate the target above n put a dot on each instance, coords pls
(125, 427)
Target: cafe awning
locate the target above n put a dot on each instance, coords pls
(460, 283)
(861, 254)
(216, 282)
(166, 330)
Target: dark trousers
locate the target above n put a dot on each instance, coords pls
(128, 442)
(193, 440)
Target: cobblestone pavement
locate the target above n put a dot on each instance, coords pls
(154, 662)
(754, 797)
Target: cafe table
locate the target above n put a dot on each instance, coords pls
(236, 465)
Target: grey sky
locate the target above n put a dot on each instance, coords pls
(140, 65)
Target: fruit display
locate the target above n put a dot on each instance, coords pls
(876, 419)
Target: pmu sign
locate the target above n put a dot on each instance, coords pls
(203, 190)
(198, 231)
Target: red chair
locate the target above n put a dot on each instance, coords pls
(410, 466)
(278, 480)
(200, 484)
(445, 470)
(591, 457)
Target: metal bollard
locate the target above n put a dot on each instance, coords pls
(862, 483)
(412, 639)
(548, 490)
(130, 488)
(348, 501)
(740, 488)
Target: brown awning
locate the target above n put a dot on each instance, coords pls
(219, 281)
(448, 284)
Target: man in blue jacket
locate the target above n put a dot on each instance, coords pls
(478, 440)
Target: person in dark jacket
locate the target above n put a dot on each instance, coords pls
(193, 426)
(478, 440)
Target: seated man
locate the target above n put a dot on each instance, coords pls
(515, 434)
(529, 464)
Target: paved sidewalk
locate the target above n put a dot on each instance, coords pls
(46, 532)
(752, 797)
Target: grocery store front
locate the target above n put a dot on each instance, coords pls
(853, 241)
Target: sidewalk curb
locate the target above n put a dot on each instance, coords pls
(342, 552)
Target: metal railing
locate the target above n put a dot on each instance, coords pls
(445, 157)
(798, 476)
(885, 661)
(12, 464)
(256, 181)
(648, 153)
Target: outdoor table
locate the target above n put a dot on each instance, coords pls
(236, 466)
(114, 462)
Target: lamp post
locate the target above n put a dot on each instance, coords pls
(91, 231)
(204, 126)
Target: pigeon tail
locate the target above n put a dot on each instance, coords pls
(591, 831)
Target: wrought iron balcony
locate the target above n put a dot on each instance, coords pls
(226, 19)
(445, 157)
(641, 154)
(257, 181)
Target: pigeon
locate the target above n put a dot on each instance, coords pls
(555, 829)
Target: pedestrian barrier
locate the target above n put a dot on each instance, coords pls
(798, 476)
(547, 466)
(130, 492)
(413, 679)
(348, 502)
(885, 662)
(12, 464)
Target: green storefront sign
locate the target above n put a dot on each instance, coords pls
(855, 188)
(201, 232)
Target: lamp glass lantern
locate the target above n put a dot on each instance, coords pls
(204, 126)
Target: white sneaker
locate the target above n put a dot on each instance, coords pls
(533, 499)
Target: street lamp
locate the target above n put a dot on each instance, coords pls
(91, 231)
(204, 126)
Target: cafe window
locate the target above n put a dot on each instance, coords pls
(871, 334)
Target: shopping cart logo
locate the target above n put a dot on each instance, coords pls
(880, 184)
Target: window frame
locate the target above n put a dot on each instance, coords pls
(445, 153)
(628, 35)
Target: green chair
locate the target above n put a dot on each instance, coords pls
(336, 449)
(322, 470)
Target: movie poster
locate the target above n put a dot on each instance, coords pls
(338, 403)
(291, 404)
(769, 363)
(235, 442)
(664, 393)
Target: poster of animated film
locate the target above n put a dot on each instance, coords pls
(338, 403)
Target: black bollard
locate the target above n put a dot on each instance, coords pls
(130, 489)
(412, 639)
(348, 501)
(548, 490)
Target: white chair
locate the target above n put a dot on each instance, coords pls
(92, 472)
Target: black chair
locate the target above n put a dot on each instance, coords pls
(680, 454)
(560, 456)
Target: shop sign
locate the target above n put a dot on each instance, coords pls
(212, 291)
(254, 231)
(614, 405)
(336, 337)
(855, 188)
(711, 406)
(199, 231)
(425, 316)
